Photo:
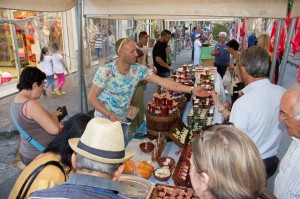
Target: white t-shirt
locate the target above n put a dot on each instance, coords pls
(57, 64)
(47, 65)
(145, 51)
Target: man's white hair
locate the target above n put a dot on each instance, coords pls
(223, 33)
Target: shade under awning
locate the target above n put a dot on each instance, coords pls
(38, 5)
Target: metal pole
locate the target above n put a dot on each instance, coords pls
(273, 65)
(286, 52)
(17, 56)
(79, 38)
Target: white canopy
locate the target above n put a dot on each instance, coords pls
(158, 9)
(296, 9)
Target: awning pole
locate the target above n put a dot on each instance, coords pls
(79, 41)
(286, 51)
(277, 39)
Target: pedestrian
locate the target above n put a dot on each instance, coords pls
(58, 68)
(46, 60)
(98, 161)
(222, 57)
(114, 83)
(197, 51)
(193, 37)
(142, 45)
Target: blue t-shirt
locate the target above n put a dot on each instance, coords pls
(223, 58)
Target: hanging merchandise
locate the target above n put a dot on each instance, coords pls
(295, 41)
(282, 38)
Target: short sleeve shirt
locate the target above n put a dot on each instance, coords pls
(160, 50)
(117, 89)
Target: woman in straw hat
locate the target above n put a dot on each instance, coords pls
(226, 164)
(97, 161)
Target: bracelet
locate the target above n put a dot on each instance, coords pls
(192, 88)
(220, 110)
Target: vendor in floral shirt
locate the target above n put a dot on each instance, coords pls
(114, 84)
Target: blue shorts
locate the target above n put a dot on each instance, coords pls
(99, 52)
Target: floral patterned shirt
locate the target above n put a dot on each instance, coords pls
(117, 89)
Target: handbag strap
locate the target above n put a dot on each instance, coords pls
(33, 175)
(30, 139)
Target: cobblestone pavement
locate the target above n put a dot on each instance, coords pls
(9, 136)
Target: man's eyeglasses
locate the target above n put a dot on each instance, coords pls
(284, 117)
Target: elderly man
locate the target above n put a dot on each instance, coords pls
(97, 160)
(254, 112)
(114, 84)
(160, 54)
(222, 56)
(287, 183)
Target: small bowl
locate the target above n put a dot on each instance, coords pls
(150, 147)
(161, 161)
(162, 179)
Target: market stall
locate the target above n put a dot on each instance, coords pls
(180, 135)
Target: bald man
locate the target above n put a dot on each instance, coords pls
(287, 182)
(114, 84)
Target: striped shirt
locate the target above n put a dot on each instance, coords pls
(287, 182)
(82, 186)
(99, 39)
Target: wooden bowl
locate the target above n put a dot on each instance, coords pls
(162, 179)
(162, 160)
(150, 147)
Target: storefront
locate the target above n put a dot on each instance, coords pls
(34, 30)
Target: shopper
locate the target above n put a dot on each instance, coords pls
(112, 44)
(58, 68)
(226, 164)
(114, 83)
(30, 116)
(255, 112)
(222, 57)
(193, 37)
(46, 60)
(99, 39)
(287, 183)
(58, 151)
(97, 159)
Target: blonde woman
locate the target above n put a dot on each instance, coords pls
(263, 41)
(226, 164)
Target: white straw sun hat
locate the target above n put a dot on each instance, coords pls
(102, 141)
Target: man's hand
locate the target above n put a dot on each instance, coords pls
(114, 117)
(171, 69)
(200, 92)
(230, 67)
(217, 99)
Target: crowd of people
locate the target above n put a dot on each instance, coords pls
(83, 157)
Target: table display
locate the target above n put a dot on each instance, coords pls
(167, 164)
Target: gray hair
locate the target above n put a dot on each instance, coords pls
(256, 61)
(223, 33)
(85, 163)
